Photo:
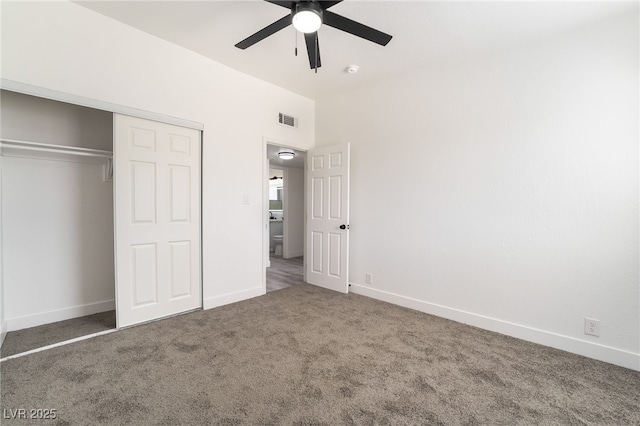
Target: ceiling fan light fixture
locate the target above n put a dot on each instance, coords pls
(307, 17)
(286, 155)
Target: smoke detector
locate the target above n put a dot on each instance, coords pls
(352, 69)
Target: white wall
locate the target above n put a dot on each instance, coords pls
(503, 191)
(58, 241)
(294, 212)
(34, 119)
(73, 50)
(57, 214)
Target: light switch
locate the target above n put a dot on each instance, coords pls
(245, 198)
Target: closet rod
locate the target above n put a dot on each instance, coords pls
(60, 149)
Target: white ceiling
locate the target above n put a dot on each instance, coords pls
(425, 33)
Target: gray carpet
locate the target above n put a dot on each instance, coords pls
(36, 337)
(284, 273)
(304, 356)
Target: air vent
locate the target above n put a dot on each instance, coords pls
(287, 120)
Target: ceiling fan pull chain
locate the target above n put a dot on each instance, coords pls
(316, 45)
(296, 34)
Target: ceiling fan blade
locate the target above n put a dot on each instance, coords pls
(327, 4)
(287, 4)
(313, 47)
(265, 32)
(355, 28)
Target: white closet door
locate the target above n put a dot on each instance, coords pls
(157, 215)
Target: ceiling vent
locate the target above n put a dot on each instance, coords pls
(287, 120)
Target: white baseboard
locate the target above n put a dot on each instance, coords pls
(41, 318)
(570, 344)
(225, 299)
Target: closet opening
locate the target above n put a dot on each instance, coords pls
(57, 220)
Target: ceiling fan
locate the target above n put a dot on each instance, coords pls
(307, 17)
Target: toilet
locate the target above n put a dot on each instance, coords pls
(277, 239)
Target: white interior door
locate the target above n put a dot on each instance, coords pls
(157, 219)
(327, 234)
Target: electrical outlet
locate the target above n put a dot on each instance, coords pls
(592, 327)
(368, 278)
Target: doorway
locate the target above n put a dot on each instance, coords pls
(285, 213)
(58, 202)
(57, 218)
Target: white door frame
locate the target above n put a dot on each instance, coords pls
(54, 95)
(265, 206)
(69, 98)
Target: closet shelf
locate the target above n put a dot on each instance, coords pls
(59, 149)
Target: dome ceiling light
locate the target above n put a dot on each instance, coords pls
(307, 18)
(286, 155)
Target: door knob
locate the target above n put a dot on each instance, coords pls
(344, 226)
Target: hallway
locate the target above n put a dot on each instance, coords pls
(284, 273)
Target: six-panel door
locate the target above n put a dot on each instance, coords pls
(327, 255)
(157, 215)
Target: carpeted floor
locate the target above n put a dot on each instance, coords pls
(36, 337)
(304, 355)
